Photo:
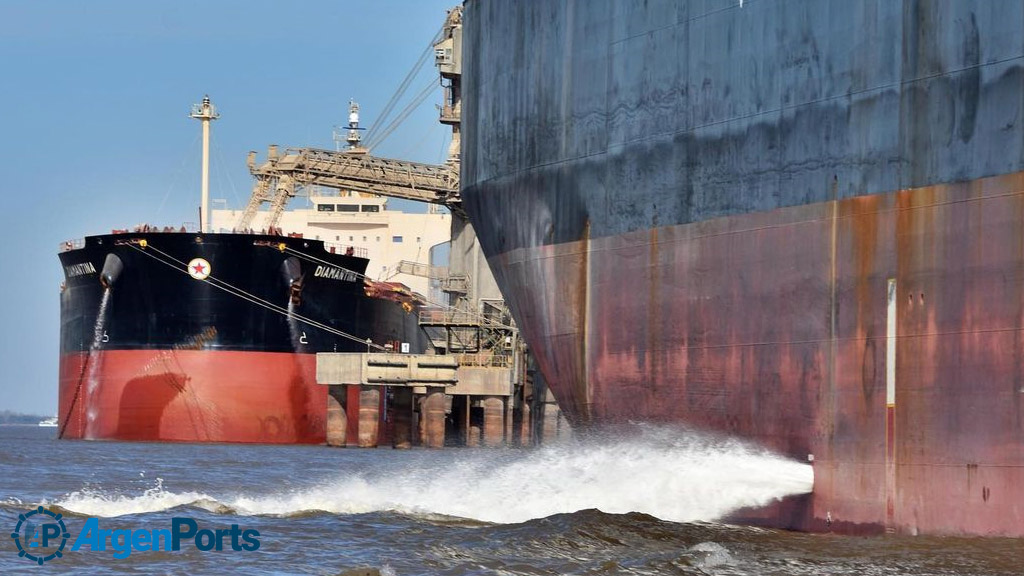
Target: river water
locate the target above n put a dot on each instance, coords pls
(642, 504)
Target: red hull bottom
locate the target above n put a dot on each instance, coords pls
(192, 396)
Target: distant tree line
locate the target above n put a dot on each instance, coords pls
(7, 418)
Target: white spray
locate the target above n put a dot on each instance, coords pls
(667, 473)
(293, 327)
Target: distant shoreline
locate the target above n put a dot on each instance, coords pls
(9, 418)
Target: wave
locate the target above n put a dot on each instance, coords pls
(673, 475)
(98, 502)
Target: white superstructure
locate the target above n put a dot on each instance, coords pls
(398, 244)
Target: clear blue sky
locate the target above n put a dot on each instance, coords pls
(94, 102)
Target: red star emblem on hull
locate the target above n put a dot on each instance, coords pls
(199, 269)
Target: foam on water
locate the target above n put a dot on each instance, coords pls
(673, 475)
(97, 502)
(710, 554)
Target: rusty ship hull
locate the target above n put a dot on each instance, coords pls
(798, 223)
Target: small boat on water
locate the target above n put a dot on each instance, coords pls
(48, 423)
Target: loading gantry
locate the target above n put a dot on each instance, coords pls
(277, 179)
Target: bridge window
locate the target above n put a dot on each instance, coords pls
(325, 207)
(348, 207)
(371, 208)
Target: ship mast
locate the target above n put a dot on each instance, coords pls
(205, 112)
(353, 139)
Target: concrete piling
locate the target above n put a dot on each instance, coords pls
(432, 418)
(337, 419)
(494, 421)
(525, 438)
(549, 430)
(509, 421)
(402, 416)
(369, 416)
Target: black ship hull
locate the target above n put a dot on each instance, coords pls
(212, 337)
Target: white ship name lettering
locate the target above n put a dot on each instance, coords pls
(79, 269)
(335, 273)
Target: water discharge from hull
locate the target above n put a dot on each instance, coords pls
(94, 360)
(674, 475)
(293, 327)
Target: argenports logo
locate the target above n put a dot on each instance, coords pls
(41, 535)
